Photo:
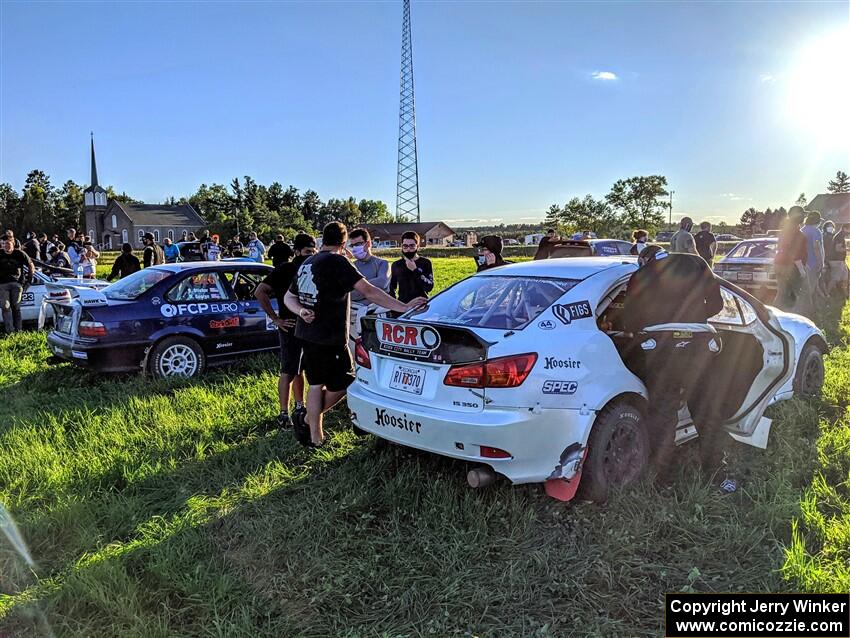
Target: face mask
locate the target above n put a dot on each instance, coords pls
(359, 252)
(408, 255)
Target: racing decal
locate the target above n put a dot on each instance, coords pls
(682, 334)
(308, 293)
(170, 310)
(156, 301)
(28, 299)
(551, 363)
(400, 422)
(230, 322)
(465, 404)
(407, 339)
(682, 344)
(547, 324)
(553, 386)
(567, 313)
(223, 344)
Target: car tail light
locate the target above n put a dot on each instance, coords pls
(361, 355)
(503, 372)
(88, 327)
(494, 453)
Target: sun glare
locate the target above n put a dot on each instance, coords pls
(819, 89)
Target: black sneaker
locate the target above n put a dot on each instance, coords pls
(298, 416)
(283, 421)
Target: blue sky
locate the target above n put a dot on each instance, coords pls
(519, 105)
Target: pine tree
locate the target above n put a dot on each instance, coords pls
(841, 183)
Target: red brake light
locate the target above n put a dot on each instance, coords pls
(91, 329)
(494, 453)
(503, 372)
(361, 355)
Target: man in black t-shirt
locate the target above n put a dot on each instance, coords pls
(234, 247)
(319, 296)
(411, 276)
(706, 243)
(276, 284)
(15, 276)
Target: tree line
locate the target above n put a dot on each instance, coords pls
(243, 205)
(637, 202)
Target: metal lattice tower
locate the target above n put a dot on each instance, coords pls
(407, 185)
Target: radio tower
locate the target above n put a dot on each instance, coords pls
(407, 185)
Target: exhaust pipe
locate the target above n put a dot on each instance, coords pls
(480, 477)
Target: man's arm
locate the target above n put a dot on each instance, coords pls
(115, 269)
(263, 295)
(27, 274)
(379, 297)
(426, 276)
(382, 277)
(290, 300)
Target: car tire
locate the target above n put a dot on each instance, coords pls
(180, 357)
(808, 380)
(618, 451)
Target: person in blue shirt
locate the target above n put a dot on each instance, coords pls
(171, 251)
(256, 249)
(814, 256)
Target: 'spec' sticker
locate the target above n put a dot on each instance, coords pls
(567, 313)
(559, 387)
(410, 339)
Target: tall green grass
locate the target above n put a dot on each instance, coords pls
(162, 509)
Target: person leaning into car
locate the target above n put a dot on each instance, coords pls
(668, 302)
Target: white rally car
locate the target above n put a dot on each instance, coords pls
(38, 294)
(511, 369)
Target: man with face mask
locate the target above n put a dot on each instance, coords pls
(374, 269)
(411, 276)
(682, 241)
(489, 253)
(668, 302)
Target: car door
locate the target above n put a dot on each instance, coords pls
(32, 297)
(752, 339)
(203, 302)
(257, 331)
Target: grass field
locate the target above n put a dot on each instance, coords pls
(158, 509)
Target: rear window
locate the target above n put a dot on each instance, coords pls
(506, 303)
(753, 250)
(135, 285)
(572, 251)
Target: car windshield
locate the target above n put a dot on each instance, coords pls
(507, 303)
(753, 250)
(135, 285)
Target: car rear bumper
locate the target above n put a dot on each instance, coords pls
(543, 444)
(125, 357)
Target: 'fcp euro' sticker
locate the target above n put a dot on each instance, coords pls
(567, 313)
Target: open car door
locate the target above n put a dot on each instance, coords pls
(756, 360)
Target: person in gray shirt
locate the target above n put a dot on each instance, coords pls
(374, 269)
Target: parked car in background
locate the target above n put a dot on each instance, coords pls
(171, 320)
(190, 251)
(750, 266)
(664, 236)
(590, 248)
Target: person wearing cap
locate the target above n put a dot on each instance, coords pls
(44, 247)
(668, 302)
(682, 241)
(276, 285)
(16, 271)
(153, 254)
(58, 258)
(234, 247)
(256, 248)
(125, 264)
(489, 253)
(279, 252)
(790, 263)
(549, 241)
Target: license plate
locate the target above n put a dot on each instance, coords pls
(63, 324)
(745, 276)
(408, 379)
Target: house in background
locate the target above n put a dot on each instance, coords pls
(834, 206)
(430, 233)
(111, 223)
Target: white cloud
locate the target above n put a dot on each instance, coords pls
(767, 78)
(732, 197)
(470, 221)
(605, 76)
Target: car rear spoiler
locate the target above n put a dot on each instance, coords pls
(418, 341)
(65, 293)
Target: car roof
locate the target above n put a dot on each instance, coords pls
(761, 240)
(208, 265)
(564, 268)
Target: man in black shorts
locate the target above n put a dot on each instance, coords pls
(319, 296)
(276, 284)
